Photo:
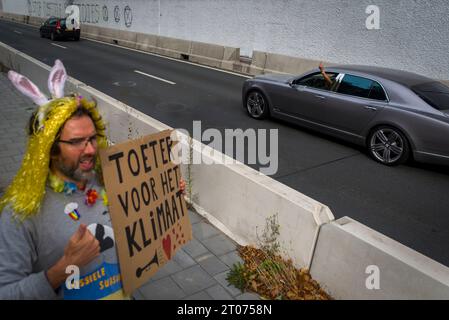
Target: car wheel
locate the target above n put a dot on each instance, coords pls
(77, 38)
(257, 105)
(52, 36)
(388, 146)
(42, 35)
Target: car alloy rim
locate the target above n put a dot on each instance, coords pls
(255, 104)
(387, 145)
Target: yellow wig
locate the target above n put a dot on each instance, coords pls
(27, 190)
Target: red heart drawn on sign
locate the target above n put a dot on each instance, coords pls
(166, 244)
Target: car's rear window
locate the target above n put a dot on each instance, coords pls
(435, 94)
(62, 22)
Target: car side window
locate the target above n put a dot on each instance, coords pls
(361, 87)
(377, 92)
(316, 81)
(355, 86)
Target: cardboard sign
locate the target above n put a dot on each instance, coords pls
(148, 211)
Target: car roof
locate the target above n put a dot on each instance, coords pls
(406, 78)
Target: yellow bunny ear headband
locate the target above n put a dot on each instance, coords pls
(27, 190)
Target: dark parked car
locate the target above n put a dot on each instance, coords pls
(56, 28)
(395, 114)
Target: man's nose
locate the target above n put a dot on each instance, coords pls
(90, 148)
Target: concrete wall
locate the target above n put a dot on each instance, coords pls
(237, 199)
(413, 35)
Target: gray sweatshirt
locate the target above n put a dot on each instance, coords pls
(30, 248)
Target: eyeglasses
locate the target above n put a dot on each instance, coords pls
(81, 143)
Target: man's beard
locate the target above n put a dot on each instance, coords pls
(74, 172)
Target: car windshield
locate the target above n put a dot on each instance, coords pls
(435, 94)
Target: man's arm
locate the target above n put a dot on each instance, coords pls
(17, 254)
(326, 77)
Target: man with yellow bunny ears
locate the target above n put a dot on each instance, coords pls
(54, 219)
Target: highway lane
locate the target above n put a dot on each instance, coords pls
(407, 203)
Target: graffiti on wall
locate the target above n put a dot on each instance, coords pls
(128, 16)
(46, 8)
(93, 13)
(117, 14)
(105, 14)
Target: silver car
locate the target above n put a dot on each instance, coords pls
(395, 114)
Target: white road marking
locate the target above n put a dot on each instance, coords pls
(173, 59)
(57, 45)
(154, 77)
(18, 32)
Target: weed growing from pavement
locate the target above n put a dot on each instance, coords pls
(266, 273)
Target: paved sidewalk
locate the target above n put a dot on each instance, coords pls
(198, 270)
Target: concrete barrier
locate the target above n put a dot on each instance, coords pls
(205, 53)
(12, 17)
(265, 62)
(146, 42)
(259, 62)
(36, 21)
(214, 55)
(115, 36)
(284, 64)
(242, 200)
(348, 255)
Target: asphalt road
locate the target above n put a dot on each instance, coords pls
(408, 203)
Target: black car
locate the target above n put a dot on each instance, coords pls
(56, 28)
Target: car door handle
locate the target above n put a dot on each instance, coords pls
(370, 108)
(320, 96)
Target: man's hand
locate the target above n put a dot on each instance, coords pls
(321, 66)
(81, 249)
(182, 186)
(326, 77)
